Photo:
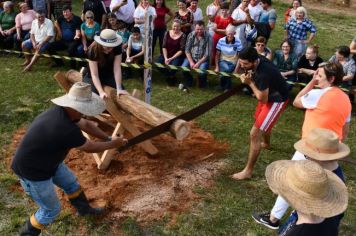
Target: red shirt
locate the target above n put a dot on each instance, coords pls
(159, 22)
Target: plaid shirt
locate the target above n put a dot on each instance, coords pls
(197, 48)
(298, 31)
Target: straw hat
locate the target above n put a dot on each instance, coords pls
(323, 145)
(308, 187)
(81, 99)
(108, 38)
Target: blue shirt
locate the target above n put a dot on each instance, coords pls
(68, 28)
(298, 31)
(229, 51)
(90, 31)
(269, 16)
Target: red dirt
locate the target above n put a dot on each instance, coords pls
(145, 187)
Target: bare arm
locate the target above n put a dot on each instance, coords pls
(95, 147)
(353, 47)
(117, 72)
(93, 65)
(92, 129)
(298, 99)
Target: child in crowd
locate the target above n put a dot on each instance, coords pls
(135, 48)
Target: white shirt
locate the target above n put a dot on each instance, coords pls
(239, 14)
(41, 32)
(198, 14)
(211, 11)
(140, 14)
(126, 12)
(255, 11)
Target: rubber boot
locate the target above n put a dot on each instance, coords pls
(82, 205)
(29, 230)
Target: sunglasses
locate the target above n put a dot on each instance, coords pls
(89, 17)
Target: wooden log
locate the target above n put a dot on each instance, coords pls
(63, 81)
(151, 115)
(74, 76)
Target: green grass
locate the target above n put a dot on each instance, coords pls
(225, 208)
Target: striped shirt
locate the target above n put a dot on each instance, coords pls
(229, 51)
(197, 48)
(298, 31)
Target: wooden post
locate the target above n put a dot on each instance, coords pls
(148, 57)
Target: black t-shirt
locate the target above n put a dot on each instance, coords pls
(97, 7)
(106, 68)
(68, 28)
(326, 228)
(304, 63)
(268, 76)
(46, 144)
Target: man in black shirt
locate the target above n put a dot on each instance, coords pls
(271, 91)
(38, 161)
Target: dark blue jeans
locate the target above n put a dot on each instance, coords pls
(202, 76)
(225, 81)
(170, 73)
(158, 34)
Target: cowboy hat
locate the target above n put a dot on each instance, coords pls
(82, 99)
(108, 38)
(323, 145)
(308, 187)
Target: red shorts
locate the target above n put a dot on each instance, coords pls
(267, 114)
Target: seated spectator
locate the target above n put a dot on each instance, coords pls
(42, 32)
(99, 10)
(290, 12)
(262, 49)
(23, 24)
(55, 7)
(255, 9)
(197, 53)
(308, 64)
(173, 48)
(342, 55)
(88, 30)
(197, 12)
(185, 16)
(7, 25)
(296, 31)
(315, 193)
(140, 13)
(287, 62)
(228, 49)
(221, 22)
(160, 23)
(240, 20)
(135, 47)
(124, 11)
(68, 36)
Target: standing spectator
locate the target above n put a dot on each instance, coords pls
(271, 91)
(342, 55)
(287, 62)
(7, 25)
(197, 51)
(140, 13)
(240, 20)
(135, 47)
(255, 10)
(99, 10)
(124, 11)
(291, 11)
(107, 5)
(105, 63)
(262, 49)
(308, 64)
(173, 48)
(55, 7)
(23, 24)
(227, 53)
(221, 22)
(41, 34)
(39, 5)
(88, 30)
(197, 12)
(211, 11)
(296, 31)
(160, 22)
(185, 16)
(233, 4)
(68, 35)
(267, 20)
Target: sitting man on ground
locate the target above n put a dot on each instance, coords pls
(38, 161)
(42, 32)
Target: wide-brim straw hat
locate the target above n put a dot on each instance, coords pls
(322, 145)
(307, 187)
(108, 38)
(82, 99)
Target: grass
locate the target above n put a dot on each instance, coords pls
(225, 208)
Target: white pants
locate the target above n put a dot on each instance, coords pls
(281, 206)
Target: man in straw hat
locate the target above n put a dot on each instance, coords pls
(321, 146)
(38, 161)
(316, 194)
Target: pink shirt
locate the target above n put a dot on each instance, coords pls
(24, 20)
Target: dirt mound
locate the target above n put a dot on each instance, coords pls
(146, 187)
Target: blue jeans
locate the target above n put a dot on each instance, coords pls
(202, 76)
(44, 194)
(225, 81)
(176, 62)
(27, 44)
(292, 78)
(299, 47)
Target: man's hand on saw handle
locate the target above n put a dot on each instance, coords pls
(119, 140)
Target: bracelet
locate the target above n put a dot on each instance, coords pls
(108, 138)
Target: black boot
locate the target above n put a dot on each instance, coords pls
(29, 230)
(82, 205)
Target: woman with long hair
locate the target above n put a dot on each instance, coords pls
(185, 16)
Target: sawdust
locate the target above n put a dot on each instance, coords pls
(145, 187)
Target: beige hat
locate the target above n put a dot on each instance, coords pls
(322, 145)
(307, 187)
(108, 38)
(81, 99)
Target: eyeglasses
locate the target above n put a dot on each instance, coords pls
(330, 68)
